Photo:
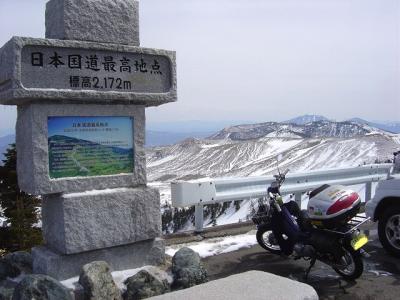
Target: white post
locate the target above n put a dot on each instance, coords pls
(198, 218)
(368, 190)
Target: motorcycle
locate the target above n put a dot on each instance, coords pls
(327, 231)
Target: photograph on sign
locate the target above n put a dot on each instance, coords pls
(90, 146)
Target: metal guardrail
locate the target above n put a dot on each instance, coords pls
(209, 191)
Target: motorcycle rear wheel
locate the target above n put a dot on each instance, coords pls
(353, 265)
(266, 239)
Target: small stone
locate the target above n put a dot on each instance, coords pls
(14, 264)
(40, 287)
(187, 269)
(21, 262)
(98, 283)
(144, 285)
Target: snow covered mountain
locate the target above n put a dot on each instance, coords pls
(306, 119)
(393, 127)
(250, 150)
(326, 129)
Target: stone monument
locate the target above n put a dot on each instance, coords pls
(81, 95)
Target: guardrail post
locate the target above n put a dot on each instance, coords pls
(368, 190)
(297, 198)
(198, 218)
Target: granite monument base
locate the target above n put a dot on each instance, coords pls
(136, 255)
(80, 222)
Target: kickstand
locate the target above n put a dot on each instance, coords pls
(312, 263)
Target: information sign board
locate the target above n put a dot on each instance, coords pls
(90, 146)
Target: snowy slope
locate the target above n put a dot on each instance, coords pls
(219, 158)
(251, 150)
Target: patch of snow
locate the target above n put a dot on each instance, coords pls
(70, 283)
(119, 277)
(160, 161)
(380, 273)
(216, 246)
(95, 192)
(165, 191)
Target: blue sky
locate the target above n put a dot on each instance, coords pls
(262, 60)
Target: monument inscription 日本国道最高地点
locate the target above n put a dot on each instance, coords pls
(83, 69)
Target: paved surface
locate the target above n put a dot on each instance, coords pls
(380, 280)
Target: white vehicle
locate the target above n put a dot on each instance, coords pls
(385, 208)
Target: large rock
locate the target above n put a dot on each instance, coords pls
(98, 283)
(143, 285)
(187, 269)
(7, 289)
(254, 285)
(40, 287)
(14, 264)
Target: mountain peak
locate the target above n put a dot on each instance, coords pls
(305, 119)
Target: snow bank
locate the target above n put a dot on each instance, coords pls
(216, 246)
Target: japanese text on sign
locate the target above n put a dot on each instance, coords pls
(82, 69)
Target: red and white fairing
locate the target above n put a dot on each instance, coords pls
(332, 202)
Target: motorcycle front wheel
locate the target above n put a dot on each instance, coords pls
(351, 266)
(266, 239)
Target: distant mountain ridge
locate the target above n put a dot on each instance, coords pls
(305, 119)
(393, 127)
(317, 129)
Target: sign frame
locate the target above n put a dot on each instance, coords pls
(13, 92)
(33, 156)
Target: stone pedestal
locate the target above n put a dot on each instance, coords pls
(131, 256)
(79, 222)
(117, 21)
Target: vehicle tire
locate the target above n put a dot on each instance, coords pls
(389, 230)
(266, 239)
(354, 264)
